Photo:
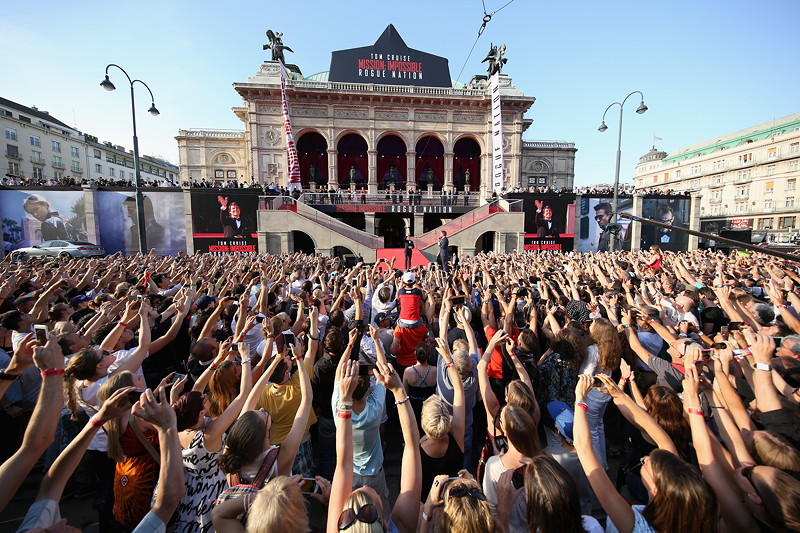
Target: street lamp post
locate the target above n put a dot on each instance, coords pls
(107, 85)
(615, 204)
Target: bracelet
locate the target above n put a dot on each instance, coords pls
(693, 411)
(214, 366)
(247, 360)
(763, 366)
(627, 325)
(796, 392)
(345, 405)
(781, 306)
(425, 517)
(53, 372)
(624, 380)
(95, 422)
(346, 415)
(314, 338)
(4, 376)
(298, 358)
(123, 324)
(401, 402)
(270, 336)
(450, 365)
(583, 405)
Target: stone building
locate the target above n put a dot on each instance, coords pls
(746, 179)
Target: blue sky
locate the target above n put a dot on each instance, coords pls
(705, 67)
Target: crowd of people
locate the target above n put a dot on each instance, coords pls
(537, 392)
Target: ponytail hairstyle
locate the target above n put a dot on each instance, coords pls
(82, 365)
(187, 409)
(113, 427)
(245, 442)
(464, 514)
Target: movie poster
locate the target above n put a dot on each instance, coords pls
(224, 221)
(549, 221)
(595, 215)
(34, 216)
(672, 210)
(118, 228)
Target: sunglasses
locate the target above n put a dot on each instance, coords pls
(462, 491)
(367, 514)
(639, 464)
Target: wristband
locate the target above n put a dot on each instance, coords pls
(344, 415)
(425, 517)
(53, 372)
(298, 358)
(345, 405)
(693, 411)
(781, 306)
(123, 324)
(270, 336)
(624, 380)
(401, 402)
(763, 366)
(314, 338)
(4, 376)
(214, 366)
(450, 365)
(796, 392)
(247, 360)
(627, 325)
(95, 422)
(583, 405)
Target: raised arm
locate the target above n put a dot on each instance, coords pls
(295, 437)
(487, 394)
(342, 484)
(457, 426)
(216, 428)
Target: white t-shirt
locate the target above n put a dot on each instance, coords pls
(41, 514)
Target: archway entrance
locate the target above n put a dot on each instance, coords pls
(303, 242)
(352, 160)
(430, 163)
(312, 150)
(393, 231)
(391, 162)
(466, 164)
(485, 243)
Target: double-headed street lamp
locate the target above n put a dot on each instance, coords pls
(641, 109)
(108, 86)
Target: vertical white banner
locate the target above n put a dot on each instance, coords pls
(498, 167)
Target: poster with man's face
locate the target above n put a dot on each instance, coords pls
(595, 215)
(165, 227)
(549, 221)
(224, 220)
(672, 210)
(31, 217)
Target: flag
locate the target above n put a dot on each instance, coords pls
(293, 181)
(657, 138)
(498, 164)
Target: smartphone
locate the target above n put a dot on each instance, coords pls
(724, 330)
(41, 332)
(778, 341)
(706, 353)
(308, 485)
(288, 338)
(177, 377)
(734, 326)
(597, 383)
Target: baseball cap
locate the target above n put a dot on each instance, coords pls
(81, 298)
(205, 300)
(564, 418)
(409, 277)
(380, 317)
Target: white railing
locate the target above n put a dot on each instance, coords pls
(212, 133)
(547, 144)
(373, 87)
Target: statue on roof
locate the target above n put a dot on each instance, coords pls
(495, 59)
(276, 46)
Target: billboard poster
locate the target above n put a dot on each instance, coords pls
(118, 227)
(389, 62)
(672, 210)
(594, 214)
(224, 221)
(33, 216)
(549, 221)
(498, 170)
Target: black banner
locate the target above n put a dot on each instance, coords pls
(389, 62)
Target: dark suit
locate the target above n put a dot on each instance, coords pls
(234, 227)
(444, 252)
(668, 240)
(409, 250)
(545, 228)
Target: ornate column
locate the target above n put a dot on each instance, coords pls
(333, 168)
(372, 179)
(411, 170)
(448, 171)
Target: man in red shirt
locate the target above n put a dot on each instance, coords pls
(410, 330)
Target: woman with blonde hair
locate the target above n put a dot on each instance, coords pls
(464, 508)
(442, 447)
(655, 261)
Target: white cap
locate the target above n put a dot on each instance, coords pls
(409, 277)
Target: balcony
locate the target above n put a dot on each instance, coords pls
(13, 155)
(38, 160)
(58, 165)
(76, 169)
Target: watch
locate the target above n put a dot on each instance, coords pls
(8, 377)
(763, 366)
